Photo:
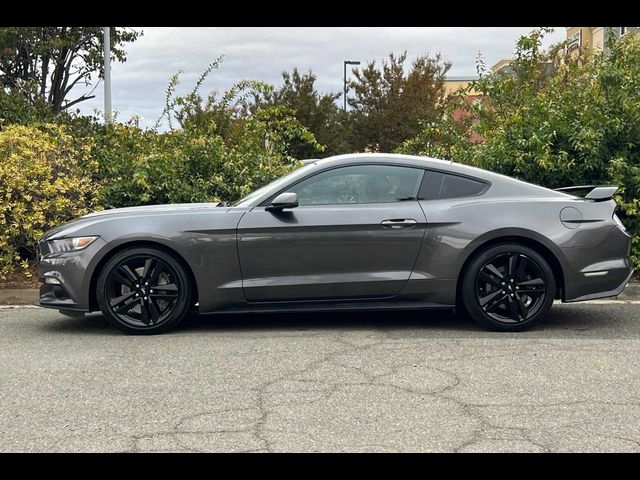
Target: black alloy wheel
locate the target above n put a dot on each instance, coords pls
(143, 290)
(508, 287)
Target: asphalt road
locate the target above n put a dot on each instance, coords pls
(318, 382)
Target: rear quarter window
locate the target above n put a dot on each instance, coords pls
(444, 185)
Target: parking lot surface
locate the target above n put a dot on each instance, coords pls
(409, 381)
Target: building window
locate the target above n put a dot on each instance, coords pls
(575, 41)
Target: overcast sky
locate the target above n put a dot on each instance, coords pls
(262, 53)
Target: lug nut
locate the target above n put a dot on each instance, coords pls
(137, 295)
(150, 291)
(145, 299)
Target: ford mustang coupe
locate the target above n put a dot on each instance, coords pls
(361, 231)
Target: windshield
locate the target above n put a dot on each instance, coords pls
(275, 185)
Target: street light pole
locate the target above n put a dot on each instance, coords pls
(107, 73)
(344, 80)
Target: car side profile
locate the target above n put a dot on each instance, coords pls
(351, 232)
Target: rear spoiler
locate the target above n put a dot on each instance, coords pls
(597, 193)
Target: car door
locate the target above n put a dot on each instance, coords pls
(356, 233)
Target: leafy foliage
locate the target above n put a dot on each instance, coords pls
(45, 63)
(389, 103)
(219, 153)
(316, 111)
(43, 182)
(555, 120)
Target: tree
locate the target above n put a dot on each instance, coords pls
(46, 63)
(388, 103)
(214, 148)
(317, 111)
(579, 125)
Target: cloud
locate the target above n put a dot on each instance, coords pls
(263, 53)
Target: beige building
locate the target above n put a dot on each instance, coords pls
(502, 66)
(578, 37)
(453, 84)
(595, 37)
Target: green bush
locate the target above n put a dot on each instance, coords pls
(579, 125)
(44, 181)
(220, 152)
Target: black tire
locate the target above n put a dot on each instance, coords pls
(144, 291)
(508, 288)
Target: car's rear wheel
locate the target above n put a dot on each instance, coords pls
(508, 287)
(143, 291)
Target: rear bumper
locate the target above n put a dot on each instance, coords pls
(598, 271)
(611, 293)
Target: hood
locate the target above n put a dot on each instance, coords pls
(172, 207)
(69, 228)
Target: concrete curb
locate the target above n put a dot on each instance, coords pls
(18, 296)
(28, 296)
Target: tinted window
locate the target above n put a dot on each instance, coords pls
(359, 184)
(443, 185)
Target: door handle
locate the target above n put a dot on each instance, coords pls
(397, 223)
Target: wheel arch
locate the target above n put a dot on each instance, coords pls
(93, 300)
(528, 239)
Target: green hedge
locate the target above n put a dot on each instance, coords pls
(579, 125)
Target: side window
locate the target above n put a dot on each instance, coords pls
(443, 185)
(359, 184)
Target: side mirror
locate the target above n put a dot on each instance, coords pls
(282, 201)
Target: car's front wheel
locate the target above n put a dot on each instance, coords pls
(143, 291)
(508, 287)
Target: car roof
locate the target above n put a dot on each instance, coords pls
(510, 185)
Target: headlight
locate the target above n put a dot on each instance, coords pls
(619, 223)
(70, 244)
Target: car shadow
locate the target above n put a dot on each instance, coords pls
(566, 321)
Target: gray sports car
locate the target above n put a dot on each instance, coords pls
(362, 231)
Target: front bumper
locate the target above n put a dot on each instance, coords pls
(73, 274)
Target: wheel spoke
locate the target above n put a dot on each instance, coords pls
(153, 309)
(521, 307)
(494, 270)
(489, 279)
(521, 269)
(494, 303)
(149, 264)
(158, 268)
(535, 282)
(514, 262)
(164, 296)
(532, 292)
(487, 298)
(122, 278)
(120, 301)
(169, 287)
(130, 274)
(125, 307)
(144, 313)
(513, 309)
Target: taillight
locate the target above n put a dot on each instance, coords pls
(619, 223)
